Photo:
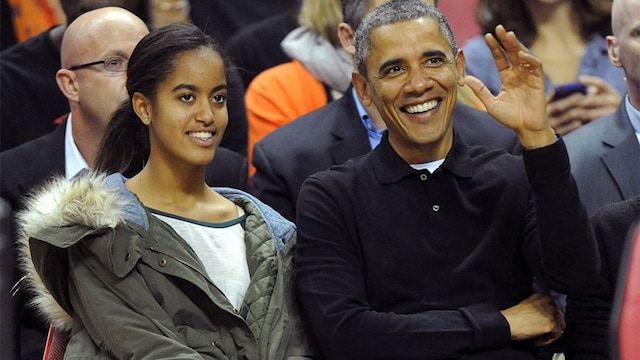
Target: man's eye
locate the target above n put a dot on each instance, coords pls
(393, 70)
(435, 61)
(115, 64)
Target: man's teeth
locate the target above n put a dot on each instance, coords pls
(422, 107)
(201, 134)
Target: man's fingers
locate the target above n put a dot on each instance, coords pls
(498, 53)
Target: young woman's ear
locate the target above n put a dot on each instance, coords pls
(142, 107)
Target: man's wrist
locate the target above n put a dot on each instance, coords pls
(537, 139)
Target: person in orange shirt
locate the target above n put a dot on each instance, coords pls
(319, 72)
(31, 17)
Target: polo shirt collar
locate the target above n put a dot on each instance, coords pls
(390, 168)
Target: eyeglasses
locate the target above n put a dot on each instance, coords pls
(111, 64)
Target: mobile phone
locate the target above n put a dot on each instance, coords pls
(565, 90)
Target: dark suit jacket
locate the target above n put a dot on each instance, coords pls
(333, 134)
(588, 316)
(605, 160)
(24, 167)
(256, 47)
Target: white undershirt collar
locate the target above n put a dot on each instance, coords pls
(73, 160)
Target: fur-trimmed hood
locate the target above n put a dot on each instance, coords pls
(94, 202)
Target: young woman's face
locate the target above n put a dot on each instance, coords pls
(189, 114)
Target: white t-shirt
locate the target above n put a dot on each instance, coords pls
(221, 248)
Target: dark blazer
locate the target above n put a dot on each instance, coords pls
(29, 165)
(334, 134)
(588, 316)
(256, 47)
(605, 160)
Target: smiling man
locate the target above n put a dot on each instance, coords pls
(426, 248)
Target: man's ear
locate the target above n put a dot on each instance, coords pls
(460, 66)
(612, 49)
(362, 88)
(142, 107)
(68, 84)
(347, 38)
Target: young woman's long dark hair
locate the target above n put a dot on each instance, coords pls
(594, 16)
(125, 146)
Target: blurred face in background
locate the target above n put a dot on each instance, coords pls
(75, 8)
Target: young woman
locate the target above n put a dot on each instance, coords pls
(149, 262)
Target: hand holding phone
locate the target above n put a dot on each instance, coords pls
(565, 90)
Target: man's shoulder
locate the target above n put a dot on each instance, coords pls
(587, 142)
(623, 210)
(230, 157)
(353, 169)
(30, 51)
(313, 127)
(21, 157)
(229, 160)
(24, 152)
(228, 168)
(613, 220)
(589, 131)
(21, 169)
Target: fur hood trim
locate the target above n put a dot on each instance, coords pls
(85, 200)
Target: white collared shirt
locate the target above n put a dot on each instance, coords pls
(73, 160)
(634, 116)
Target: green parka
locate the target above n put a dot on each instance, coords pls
(127, 286)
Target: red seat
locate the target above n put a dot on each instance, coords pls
(56, 344)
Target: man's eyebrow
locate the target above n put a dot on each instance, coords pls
(433, 53)
(389, 63)
(396, 61)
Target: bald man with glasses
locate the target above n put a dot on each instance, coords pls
(94, 54)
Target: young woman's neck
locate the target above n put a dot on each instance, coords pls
(558, 42)
(554, 22)
(158, 183)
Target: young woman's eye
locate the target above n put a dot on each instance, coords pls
(186, 97)
(219, 99)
